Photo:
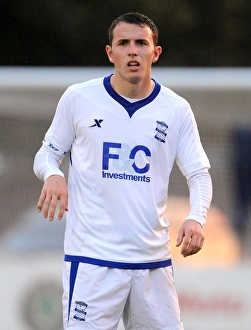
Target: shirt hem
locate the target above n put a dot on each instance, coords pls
(120, 265)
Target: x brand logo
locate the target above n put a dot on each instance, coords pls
(97, 123)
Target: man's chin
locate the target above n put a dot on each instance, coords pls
(134, 79)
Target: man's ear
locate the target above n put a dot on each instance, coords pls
(157, 52)
(108, 50)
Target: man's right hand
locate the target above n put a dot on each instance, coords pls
(54, 190)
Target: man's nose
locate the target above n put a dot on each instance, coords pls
(133, 50)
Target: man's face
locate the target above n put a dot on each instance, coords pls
(132, 52)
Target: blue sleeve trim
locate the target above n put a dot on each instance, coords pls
(120, 265)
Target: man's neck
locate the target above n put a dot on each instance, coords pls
(134, 91)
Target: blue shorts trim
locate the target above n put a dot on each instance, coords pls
(120, 265)
(73, 275)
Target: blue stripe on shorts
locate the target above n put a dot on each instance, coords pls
(120, 265)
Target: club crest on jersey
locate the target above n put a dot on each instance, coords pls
(161, 131)
(80, 309)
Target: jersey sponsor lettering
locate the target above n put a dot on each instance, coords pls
(124, 176)
(132, 163)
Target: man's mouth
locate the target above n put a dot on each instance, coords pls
(133, 63)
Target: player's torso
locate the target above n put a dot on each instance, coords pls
(110, 143)
(120, 166)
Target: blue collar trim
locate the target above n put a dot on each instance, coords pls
(130, 107)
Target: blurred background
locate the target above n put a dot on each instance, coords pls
(47, 46)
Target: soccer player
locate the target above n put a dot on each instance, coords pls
(124, 133)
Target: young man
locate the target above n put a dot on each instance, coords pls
(124, 133)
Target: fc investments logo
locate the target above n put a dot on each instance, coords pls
(122, 162)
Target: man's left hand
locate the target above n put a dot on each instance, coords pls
(191, 234)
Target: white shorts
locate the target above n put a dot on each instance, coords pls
(95, 298)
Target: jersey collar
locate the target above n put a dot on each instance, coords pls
(130, 107)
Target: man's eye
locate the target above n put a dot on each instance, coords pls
(141, 43)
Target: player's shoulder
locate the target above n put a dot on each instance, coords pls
(173, 96)
(97, 82)
(86, 89)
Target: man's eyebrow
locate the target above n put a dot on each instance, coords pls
(122, 40)
(142, 40)
(137, 40)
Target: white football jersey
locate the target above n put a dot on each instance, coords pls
(121, 156)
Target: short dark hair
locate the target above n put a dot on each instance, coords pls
(135, 18)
